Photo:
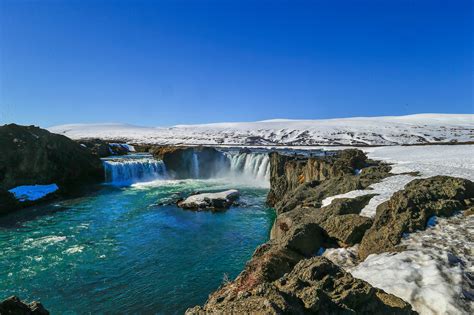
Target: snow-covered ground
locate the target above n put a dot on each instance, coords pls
(389, 130)
(434, 274)
(430, 160)
(33, 192)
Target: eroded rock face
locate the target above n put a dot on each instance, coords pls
(191, 162)
(314, 285)
(408, 210)
(340, 222)
(34, 156)
(297, 181)
(14, 306)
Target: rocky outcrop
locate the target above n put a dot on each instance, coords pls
(14, 306)
(191, 162)
(289, 172)
(408, 210)
(340, 222)
(101, 148)
(305, 182)
(283, 276)
(314, 286)
(210, 201)
(31, 155)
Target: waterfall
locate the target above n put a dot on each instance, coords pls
(195, 166)
(125, 171)
(251, 166)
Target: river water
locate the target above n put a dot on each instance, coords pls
(118, 250)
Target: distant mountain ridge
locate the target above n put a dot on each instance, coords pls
(384, 130)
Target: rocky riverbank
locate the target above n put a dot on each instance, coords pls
(288, 274)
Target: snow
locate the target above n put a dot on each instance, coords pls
(452, 160)
(33, 192)
(389, 130)
(433, 275)
(202, 199)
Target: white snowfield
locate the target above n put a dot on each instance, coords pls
(388, 130)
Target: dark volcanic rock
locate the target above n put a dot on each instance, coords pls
(409, 210)
(298, 181)
(289, 172)
(180, 161)
(339, 222)
(7, 202)
(31, 155)
(14, 306)
(314, 286)
(101, 148)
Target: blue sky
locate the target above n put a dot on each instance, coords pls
(176, 62)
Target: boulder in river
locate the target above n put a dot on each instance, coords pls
(210, 201)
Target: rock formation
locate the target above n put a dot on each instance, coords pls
(283, 276)
(14, 306)
(210, 201)
(408, 210)
(300, 181)
(31, 155)
(101, 148)
(314, 286)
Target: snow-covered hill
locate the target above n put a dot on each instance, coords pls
(387, 130)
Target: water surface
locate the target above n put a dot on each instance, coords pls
(119, 251)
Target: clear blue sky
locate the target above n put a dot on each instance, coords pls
(169, 62)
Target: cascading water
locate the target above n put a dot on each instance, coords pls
(195, 165)
(125, 171)
(251, 166)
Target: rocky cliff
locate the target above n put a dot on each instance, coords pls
(283, 275)
(34, 156)
(288, 275)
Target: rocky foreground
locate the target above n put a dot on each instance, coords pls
(14, 306)
(288, 275)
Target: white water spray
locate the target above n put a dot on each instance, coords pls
(250, 167)
(127, 171)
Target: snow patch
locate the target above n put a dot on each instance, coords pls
(434, 274)
(33, 192)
